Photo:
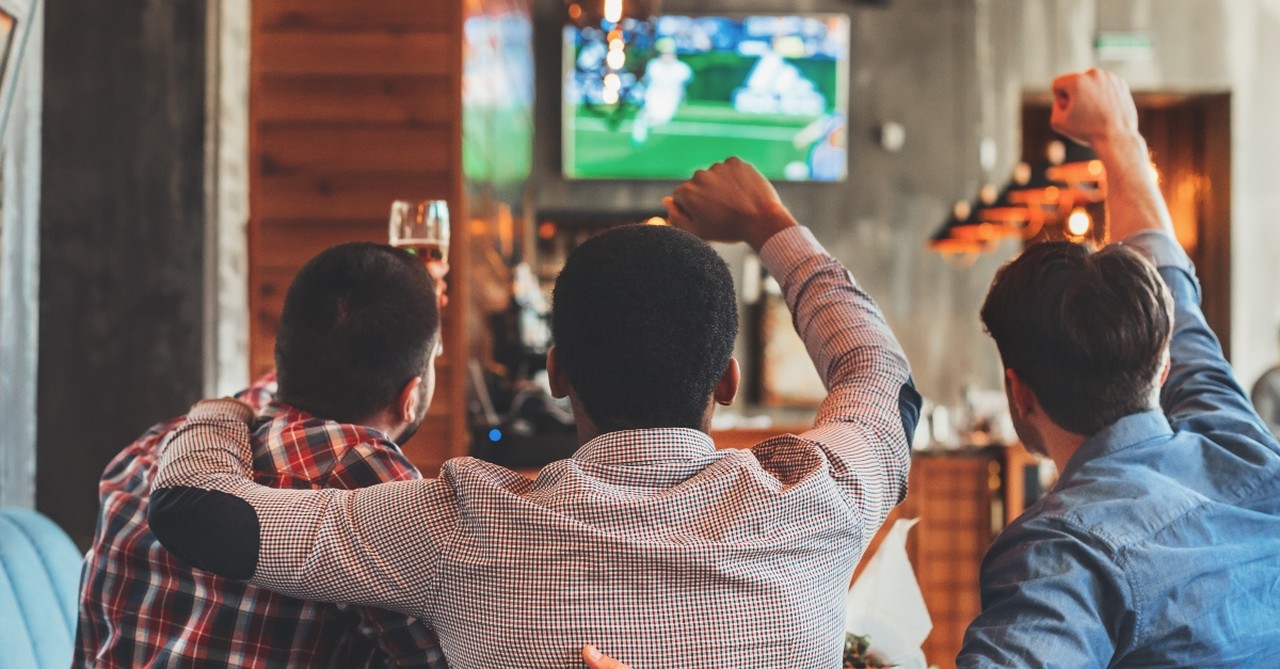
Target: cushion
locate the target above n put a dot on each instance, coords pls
(39, 575)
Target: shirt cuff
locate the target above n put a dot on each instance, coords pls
(787, 248)
(1160, 248)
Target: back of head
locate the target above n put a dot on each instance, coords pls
(644, 319)
(1085, 331)
(359, 322)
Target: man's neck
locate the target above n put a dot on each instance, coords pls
(1062, 446)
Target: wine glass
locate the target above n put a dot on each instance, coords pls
(421, 227)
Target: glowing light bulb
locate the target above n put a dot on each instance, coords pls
(1021, 174)
(1079, 222)
(610, 97)
(613, 10)
(616, 60)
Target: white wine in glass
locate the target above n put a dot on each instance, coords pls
(421, 227)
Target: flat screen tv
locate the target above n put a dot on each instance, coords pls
(697, 89)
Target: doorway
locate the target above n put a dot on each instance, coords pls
(1189, 137)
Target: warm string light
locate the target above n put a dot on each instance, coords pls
(615, 38)
(613, 10)
(1079, 222)
(1059, 192)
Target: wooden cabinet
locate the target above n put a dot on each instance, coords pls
(962, 499)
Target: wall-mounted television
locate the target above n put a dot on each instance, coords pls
(697, 89)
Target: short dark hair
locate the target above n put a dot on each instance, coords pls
(1085, 330)
(359, 322)
(644, 319)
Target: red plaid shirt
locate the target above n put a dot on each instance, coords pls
(141, 606)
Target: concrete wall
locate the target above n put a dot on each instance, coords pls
(19, 261)
(121, 283)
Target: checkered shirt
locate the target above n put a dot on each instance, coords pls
(141, 606)
(652, 544)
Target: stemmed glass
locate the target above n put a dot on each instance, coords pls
(421, 227)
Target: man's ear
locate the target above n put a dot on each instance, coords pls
(1164, 371)
(1021, 398)
(407, 404)
(727, 386)
(555, 376)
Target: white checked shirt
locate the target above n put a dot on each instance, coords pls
(652, 544)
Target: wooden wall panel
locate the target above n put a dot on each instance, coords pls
(343, 197)
(411, 101)
(397, 16)
(346, 149)
(375, 54)
(352, 105)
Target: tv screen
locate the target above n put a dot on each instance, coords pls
(694, 90)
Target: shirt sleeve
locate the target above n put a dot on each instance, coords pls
(1201, 385)
(1047, 594)
(377, 546)
(404, 641)
(866, 422)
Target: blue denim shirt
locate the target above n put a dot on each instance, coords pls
(1160, 544)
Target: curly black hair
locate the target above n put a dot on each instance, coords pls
(644, 319)
(359, 322)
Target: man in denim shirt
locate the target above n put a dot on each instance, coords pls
(1160, 544)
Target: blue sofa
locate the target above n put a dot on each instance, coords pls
(39, 579)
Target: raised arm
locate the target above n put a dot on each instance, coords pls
(1096, 108)
(373, 546)
(865, 423)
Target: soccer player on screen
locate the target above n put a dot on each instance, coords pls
(664, 80)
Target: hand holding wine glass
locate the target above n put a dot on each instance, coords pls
(421, 227)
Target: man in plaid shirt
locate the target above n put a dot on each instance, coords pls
(648, 542)
(141, 606)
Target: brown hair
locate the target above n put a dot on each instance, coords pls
(1085, 331)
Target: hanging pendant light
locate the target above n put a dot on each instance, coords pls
(959, 248)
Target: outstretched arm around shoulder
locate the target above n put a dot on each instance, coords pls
(328, 545)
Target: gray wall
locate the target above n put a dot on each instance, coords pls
(121, 251)
(19, 263)
(913, 63)
(953, 74)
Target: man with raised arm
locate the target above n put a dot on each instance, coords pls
(1160, 544)
(649, 542)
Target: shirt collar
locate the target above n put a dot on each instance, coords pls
(277, 417)
(646, 446)
(1129, 431)
(279, 410)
